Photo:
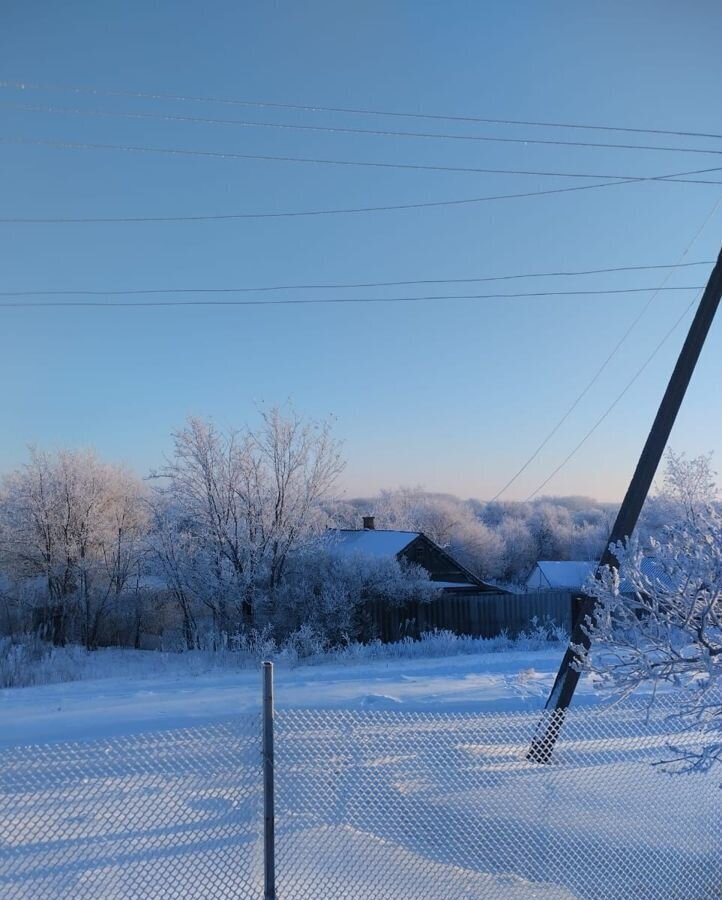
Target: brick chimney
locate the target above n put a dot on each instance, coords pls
(369, 523)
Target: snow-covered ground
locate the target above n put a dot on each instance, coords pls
(147, 783)
(131, 700)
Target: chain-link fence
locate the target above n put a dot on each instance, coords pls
(412, 806)
(368, 805)
(173, 814)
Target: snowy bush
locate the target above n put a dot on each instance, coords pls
(29, 661)
(305, 642)
(326, 593)
(256, 643)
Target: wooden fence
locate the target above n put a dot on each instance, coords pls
(478, 615)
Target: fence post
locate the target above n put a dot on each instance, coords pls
(269, 823)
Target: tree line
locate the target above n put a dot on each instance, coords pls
(228, 536)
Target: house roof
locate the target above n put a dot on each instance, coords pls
(381, 544)
(656, 573)
(370, 542)
(562, 573)
(572, 574)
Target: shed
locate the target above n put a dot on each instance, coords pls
(571, 575)
(560, 575)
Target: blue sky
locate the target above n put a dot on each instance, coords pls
(453, 395)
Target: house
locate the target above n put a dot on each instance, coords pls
(465, 605)
(571, 575)
(560, 575)
(411, 546)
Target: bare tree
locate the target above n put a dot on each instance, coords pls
(175, 551)
(249, 499)
(78, 524)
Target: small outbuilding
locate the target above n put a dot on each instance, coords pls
(560, 575)
(571, 575)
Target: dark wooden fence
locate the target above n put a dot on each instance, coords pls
(478, 615)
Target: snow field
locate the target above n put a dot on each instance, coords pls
(166, 814)
(600, 823)
(396, 778)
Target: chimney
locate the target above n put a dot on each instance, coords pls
(369, 523)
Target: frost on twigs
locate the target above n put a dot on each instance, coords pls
(659, 621)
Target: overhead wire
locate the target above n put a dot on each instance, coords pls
(360, 284)
(18, 84)
(622, 179)
(328, 300)
(223, 154)
(673, 178)
(199, 120)
(595, 377)
(617, 399)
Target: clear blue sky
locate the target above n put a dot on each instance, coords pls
(453, 395)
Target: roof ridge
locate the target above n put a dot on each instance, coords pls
(377, 530)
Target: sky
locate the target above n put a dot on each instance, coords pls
(450, 394)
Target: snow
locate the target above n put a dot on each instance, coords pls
(652, 569)
(572, 574)
(560, 574)
(126, 703)
(386, 786)
(410, 873)
(371, 542)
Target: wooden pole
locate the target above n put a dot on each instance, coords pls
(269, 817)
(568, 676)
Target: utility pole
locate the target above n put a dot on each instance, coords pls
(568, 676)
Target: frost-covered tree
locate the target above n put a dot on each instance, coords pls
(326, 592)
(551, 525)
(688, 487)
(242, 503)
(480, 548)
(521, 550)
(179, 558)
(413, 509)
(667, 625)
(75, 526)
(659, 616)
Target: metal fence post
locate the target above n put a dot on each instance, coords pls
(269, 819)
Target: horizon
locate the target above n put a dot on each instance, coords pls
(345, 495)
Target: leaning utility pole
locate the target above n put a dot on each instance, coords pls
(566, 681)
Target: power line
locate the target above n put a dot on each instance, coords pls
(198, 120)
(215, 154)
(618, 398)
(353, 285)
(674, 178)
(105, 92)
(595, 377)
(328, 300)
